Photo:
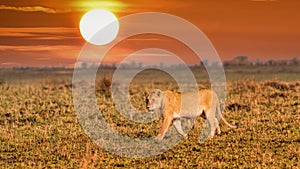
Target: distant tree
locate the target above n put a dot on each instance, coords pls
(161, 64)
(238, 61)
(282, 62)
(271, 62)
(256, 62)
(295, 61)
(84, 65)
(241, 58)
(215, 64)
(133, 64)
(203, 63)
(140, 64)
(114, 65)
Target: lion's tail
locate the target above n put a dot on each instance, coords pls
(228, 124)
(224, 120)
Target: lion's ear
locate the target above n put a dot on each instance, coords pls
(147, 92)
(159, 93)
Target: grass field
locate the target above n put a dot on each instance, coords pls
(39, 126)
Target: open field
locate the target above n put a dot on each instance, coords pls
(234, 73)
(39, 127)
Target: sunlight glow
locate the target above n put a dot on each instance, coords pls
(113, 6)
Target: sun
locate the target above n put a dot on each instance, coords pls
(99, 27)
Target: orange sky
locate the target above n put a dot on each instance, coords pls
(45, 33)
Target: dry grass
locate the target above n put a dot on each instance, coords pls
(39, 128)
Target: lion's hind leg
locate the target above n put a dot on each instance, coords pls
(210, 117)
(178, 127)
(217, 126)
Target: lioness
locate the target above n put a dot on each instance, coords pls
(169, 105)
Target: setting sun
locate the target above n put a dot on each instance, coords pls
(99, 27)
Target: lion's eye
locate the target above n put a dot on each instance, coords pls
(152, 100)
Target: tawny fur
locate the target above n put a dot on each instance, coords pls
(175, 106)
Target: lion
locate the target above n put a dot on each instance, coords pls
(168, 104)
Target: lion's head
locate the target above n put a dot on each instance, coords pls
(155, 101)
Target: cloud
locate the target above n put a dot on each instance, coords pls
(33, 9)
(38, 48)
(10, 64)
(143, 39)
(264, 0)
(40, 36)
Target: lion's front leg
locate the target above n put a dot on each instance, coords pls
(166, 123)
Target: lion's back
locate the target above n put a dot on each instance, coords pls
(189, 103)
